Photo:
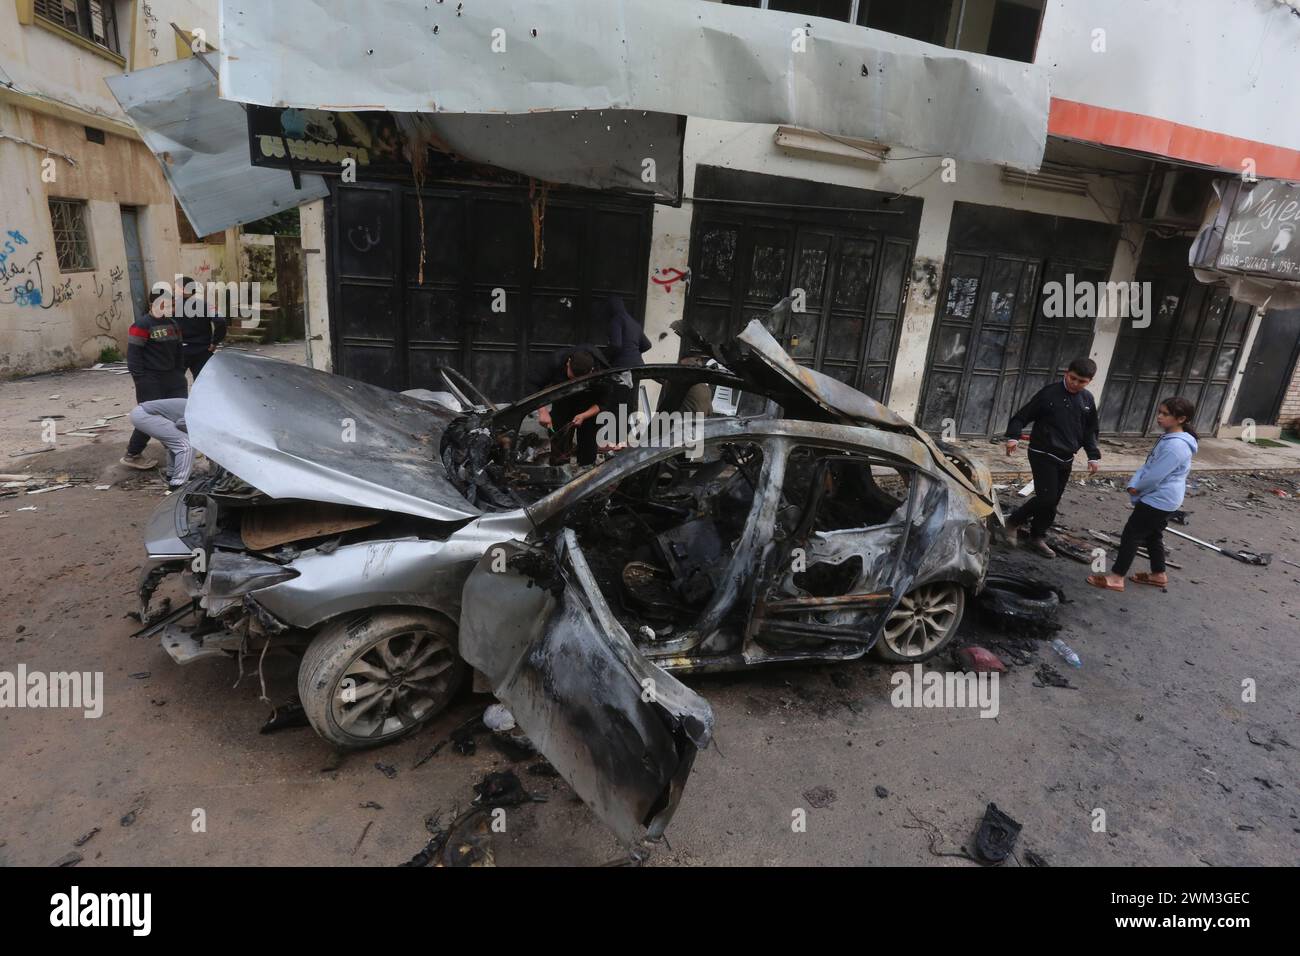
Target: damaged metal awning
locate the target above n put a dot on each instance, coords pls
(1248, 241)
(202, 143)
(683, 57)
(592, 149)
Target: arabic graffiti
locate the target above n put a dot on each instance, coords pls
(11, 244)
(104, 320)
(672, 275)
(23, 283)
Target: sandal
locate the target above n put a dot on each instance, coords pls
(1141, 577)
(1099, 581)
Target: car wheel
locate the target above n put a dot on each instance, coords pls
(925, 620)
(369, 680)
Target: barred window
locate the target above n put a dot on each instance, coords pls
(96, 20)
(71, 236)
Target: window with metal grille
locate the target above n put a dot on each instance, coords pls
(71, 236)
(96, 20)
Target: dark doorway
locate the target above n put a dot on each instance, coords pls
(393, 326)
(849, 250)
(1190, 348)
(994, 344)
(1269, 368)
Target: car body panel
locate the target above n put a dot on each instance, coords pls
(408, 572)
(620, 730)
(295, 432)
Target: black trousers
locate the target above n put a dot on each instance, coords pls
(562, 413)
(194, 361)
(1146, 526)
(1050, 478)
(149, 387)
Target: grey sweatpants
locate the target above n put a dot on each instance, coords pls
(164, 419)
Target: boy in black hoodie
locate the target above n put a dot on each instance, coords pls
(201, 333)
(1064, 414)
(153, 355)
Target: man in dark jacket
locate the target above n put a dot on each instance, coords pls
(153, 355)
(201, 333)
(578, 410)
(627, 341)
(1064, 415)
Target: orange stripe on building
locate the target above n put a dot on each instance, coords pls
(1148, 134)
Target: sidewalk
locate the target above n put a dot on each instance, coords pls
(1125, 456)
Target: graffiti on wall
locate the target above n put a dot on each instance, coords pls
(116, 296)
(23, 284)
(671, 275)
(22, 281)
(151, 28)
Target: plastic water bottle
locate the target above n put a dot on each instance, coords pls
(1063, 649)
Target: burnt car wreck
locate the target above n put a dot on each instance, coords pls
(445, 535)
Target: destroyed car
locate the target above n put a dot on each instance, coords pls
(400, 541)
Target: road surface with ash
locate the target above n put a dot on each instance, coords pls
(1155, 731)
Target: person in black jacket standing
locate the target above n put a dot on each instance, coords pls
(201, 333)
(157, 365)
(1065, 419)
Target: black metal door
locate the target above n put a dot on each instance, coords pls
(994, 343)
(465, 294)
(1190, 348)
(1055, 341)
(1269, 368)
(979, 347)
(852, 284)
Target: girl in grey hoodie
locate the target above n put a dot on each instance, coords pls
(1156, 491)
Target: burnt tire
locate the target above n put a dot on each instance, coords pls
(369, 680)
(923, 624)
(1016, 603)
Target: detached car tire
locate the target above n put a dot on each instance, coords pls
(368, 680)
(923, 624)
(1018, 603)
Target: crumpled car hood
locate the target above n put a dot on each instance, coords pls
(284, 429)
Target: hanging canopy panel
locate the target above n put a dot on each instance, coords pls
(202, 143)
(683, 57)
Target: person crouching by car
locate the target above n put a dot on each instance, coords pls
(1156, 491)
(157, 366)
(576, 412)
(164, 419)
(1064, 414)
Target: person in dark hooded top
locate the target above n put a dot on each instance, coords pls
(627, 341)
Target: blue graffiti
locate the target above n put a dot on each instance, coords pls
(9, 248)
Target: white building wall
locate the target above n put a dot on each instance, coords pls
(1228, 66)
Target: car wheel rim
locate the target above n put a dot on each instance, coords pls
(393, 684)
(923, 619)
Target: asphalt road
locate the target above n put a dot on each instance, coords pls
(1155, 731)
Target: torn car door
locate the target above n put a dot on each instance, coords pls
(620, 730)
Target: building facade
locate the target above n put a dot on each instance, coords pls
(87, 220)
(927, 279)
